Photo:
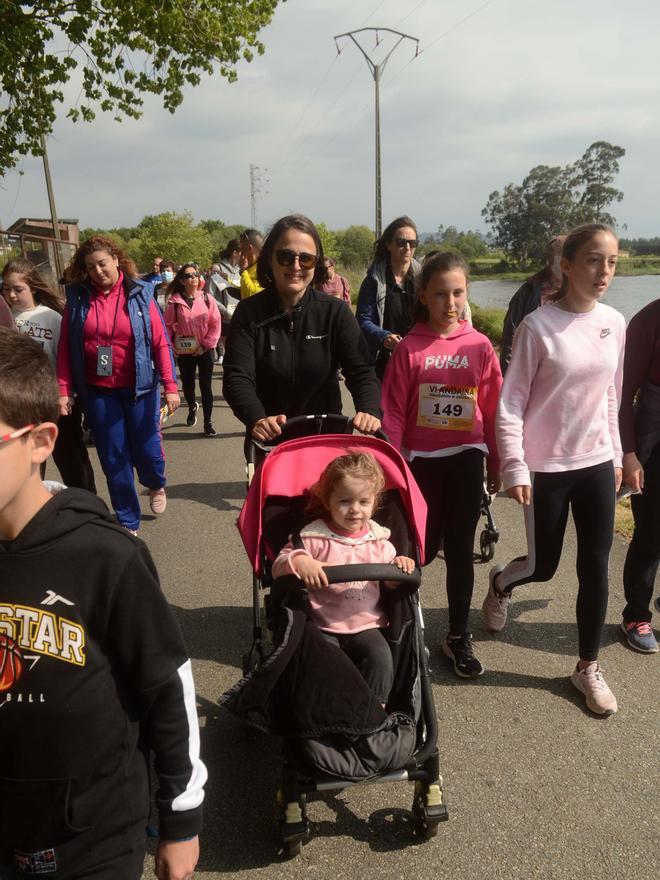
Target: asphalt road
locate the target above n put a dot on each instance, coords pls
(536, 786)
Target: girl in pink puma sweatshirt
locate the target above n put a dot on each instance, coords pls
(558, 438)
(349, 614)
(440, 394)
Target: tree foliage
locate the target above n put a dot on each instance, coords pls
(355, 246)
(552, 200)
(174, 237)
(469, 244)
(122, 50)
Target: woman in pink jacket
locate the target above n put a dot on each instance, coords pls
(440, 393)
(350, 614)
(193, 322)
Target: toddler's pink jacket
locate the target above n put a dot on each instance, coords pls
(342, 608)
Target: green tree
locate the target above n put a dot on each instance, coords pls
(551, 200)
(220, 234)
(355, 246)
(328, 240)
(174, 236)
(595, 172)
(123, 50)
(469, 244)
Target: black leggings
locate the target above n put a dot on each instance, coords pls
(644, 551)
(188, 364)
(452, 488)
(371, 654)
(589, 492)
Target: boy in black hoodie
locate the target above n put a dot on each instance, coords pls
(94, 675)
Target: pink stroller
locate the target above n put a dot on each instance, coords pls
(363, 743)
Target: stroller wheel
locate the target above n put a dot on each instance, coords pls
(292, 848)
(486, 546)
(428, 810)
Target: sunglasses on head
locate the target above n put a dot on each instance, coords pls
(286, 257)
(406, 242)
(190, 275)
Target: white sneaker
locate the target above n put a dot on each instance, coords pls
(496, 606)
(591, 683)
(157, 501)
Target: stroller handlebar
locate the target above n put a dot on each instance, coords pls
(305, 426)
(372, 571)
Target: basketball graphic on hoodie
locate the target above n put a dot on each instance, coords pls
(11, 663)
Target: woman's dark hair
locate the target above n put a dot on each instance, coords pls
(43, 291)
(176, 284)
(302, 224)
(575, 239)
(233, 245)
(381, 252)
(436, 261)
(78, 272)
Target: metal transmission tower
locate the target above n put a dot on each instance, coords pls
(255, 190)
(377, 71)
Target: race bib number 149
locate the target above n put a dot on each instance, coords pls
(446, 408)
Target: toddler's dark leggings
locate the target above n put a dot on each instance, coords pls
(371, 654)
(589, 493)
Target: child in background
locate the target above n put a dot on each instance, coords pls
(94, 673)
(440, 394)
(350, 615)
(37, 312)
(558, 438)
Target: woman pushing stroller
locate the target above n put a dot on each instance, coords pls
(349, 614)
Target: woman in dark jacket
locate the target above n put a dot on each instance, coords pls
(286, 343)
(387, 294)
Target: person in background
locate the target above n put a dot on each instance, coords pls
(6, 319)
(167, 272)
(251, 241)
(639, 423)
(230, 265)
(37, 310)
(224, 285)
(336, 285)
(154, 277)
(535, 292)
(114, 353)
(387, 295)
(193, 323)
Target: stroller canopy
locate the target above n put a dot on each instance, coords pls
(291, 468)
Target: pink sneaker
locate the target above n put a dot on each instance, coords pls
(599, 697)
(496, 606)
(157, 501)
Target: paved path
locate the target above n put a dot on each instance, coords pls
(536, 786)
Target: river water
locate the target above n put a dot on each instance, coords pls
(628, 294)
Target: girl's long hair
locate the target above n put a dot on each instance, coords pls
(575, 239)
(45, 293)
(77, 270)
(436, 261)
(359, 465)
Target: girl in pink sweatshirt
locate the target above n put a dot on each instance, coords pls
(558, 439)
(350, 614)
(440, 394)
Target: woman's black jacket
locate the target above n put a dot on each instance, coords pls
(281, 362)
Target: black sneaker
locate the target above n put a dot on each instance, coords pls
(209, 430)
(459, 650)
(191, 421)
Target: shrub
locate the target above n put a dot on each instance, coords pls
(488, 321)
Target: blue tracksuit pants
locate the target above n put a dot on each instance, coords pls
(127, 435)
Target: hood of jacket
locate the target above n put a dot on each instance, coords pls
(66, 512)
(423, 330)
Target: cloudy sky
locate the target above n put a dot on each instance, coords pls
(499, 87)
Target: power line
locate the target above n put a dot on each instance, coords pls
(408, 14)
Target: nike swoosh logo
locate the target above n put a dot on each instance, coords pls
(605, 332)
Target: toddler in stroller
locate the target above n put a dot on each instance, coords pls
(335, 729)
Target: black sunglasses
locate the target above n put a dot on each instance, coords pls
(286, 257)
(190, 275)
(404, 242)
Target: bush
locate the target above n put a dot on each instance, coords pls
(488, 321)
